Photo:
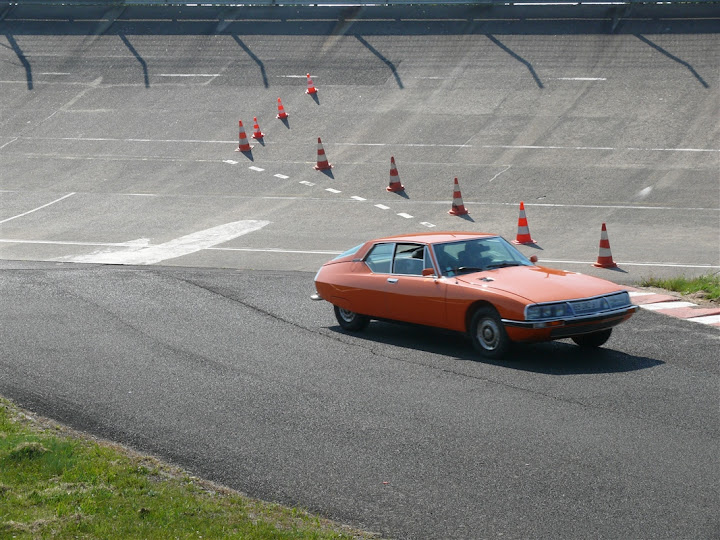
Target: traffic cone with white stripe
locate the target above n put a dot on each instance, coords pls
(243, 146)
(257, 134)
(282, 115)
(458, 208)
(322, 162)
(311, 87)
(395, 184)
(605, 259)
(523, 234)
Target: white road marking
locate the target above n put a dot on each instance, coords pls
(278, 250)
(189, 75)
(38, 208)
(406, 145)
(281, 176)
(382, 207)
(638, 293)
(672, 304)
(9, 142)
(427, 224)
(254, 168)
(358, 198)
(306, 183)
(179, 247)
(581, 79)
(230, 161)
(498, 174)
(54, 73)
(406, 216)
(331, 190)
(622, 263)
(706, 319)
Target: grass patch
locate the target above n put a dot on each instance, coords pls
(56, 484)
(707, 287)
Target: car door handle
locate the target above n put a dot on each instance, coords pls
(392, 280)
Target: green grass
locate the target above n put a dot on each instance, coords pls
(56, 484)
(708, 285)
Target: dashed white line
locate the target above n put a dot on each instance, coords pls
(331, 190)
(281, 176)
(382, 207)
(581, 79)
(38, 208)
(427, 224)
(231, 161)
(358, 198)
(306, 183)
(254, 168)
(706, 319)
(406, 216)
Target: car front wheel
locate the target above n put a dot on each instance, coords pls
(488, 333)
(351, 321)
(596, 339)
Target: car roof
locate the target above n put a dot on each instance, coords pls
(438, 237)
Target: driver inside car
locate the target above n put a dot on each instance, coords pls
(473, 256)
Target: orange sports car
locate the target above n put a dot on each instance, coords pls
(474, 283)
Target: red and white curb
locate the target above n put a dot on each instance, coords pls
(675, 307)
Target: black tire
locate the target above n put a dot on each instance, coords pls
(351, 321)
(596, 339)
(488, 335)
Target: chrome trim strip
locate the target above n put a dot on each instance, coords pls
(545, 323)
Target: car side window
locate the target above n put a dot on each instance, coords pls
(380, 258)
(410, 259)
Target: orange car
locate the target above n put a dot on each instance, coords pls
(474, 283)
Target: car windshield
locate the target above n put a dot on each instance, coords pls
(477, 255)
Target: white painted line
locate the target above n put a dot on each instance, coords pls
(142, 194)
(621, 264)
(184, 245)
(403, 214)
(54, 73)
(281, 176)
(277, 250)
(132, 243)
(581, 79)
(673, 304)
(254, 168)
(638, 293)
(407, 145)
(230, 161)
(427, 224)
(706, 319)
(38, 208)
(189, 75)
(331, 190)
(358, 198)
(382, 207)
(9, 142)
(306, 183)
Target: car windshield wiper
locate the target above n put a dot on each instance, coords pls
(468, 269)
(503, 264)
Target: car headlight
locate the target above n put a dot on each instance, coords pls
(618, 300)
(546, 311)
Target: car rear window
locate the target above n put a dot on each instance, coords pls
(380, 258)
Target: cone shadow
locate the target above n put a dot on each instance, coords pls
(467, 217)
(401, 193)
(328, 173)
(246, 153)
(315, 97)
(260, 140)
(286, 122)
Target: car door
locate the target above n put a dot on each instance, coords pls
(369, 279)
(410, 296)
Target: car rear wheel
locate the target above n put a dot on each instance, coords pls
(488, 333)
(349, 320)
(596, 339)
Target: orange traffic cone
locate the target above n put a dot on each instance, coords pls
(458, 208)
(311, 87)
(322, 162)
(605, 259)
(523, 234)
(282, 115)
(395, 184)
(244, 146)
(257, 134)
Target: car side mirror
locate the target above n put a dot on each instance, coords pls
(534, 259)
(428, 272)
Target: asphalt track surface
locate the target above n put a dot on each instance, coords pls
(155, 287)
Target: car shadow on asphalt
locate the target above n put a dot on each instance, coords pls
(561, 357)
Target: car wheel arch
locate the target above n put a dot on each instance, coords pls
(472, 309)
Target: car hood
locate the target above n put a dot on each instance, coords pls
(540, 284)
